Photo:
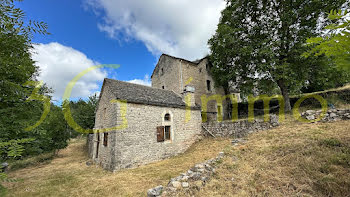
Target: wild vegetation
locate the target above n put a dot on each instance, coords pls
(24, 100)
(260, 44)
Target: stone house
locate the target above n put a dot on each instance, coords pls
(174, 74)
(137, 124)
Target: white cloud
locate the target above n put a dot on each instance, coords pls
(177, 27)
(145, 81)
(60, 64)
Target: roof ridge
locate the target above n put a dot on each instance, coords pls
(141, 85)
(193, 62)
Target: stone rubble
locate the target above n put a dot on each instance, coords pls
(330, 116)
(237, 141)
(195, 178)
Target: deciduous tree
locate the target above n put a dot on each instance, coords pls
(260, 40)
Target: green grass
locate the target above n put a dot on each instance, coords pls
(31, 161)
(292, 160)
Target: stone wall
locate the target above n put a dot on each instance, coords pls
(167, 74)
(104, 118)
(329, 116)
(173, 73)
(192, 180)
(137, 143)
(238, 128)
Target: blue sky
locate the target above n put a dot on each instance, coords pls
(130, 33)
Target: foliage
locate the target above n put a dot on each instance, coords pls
(83, 113)
(336, 42)
(262, 42)
(18, 108)
(16, 69)
(323, 74)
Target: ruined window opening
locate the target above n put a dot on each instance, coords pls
(207, 67)
(167, 133)
(97, 144)
(162, 71)
(208, 85)
(219, 110)
(163, 87)
(105, 139)
(167, 117)
(104, 114)
(200, 70)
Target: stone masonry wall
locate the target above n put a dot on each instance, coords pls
(104, 119)
(239, 128)
(329, 116)
(200, 75)
(168, 74)
(138, 144)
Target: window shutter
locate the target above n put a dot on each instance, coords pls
(160, 134)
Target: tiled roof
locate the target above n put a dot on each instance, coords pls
(134, 93)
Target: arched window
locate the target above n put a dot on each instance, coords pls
(167, 117)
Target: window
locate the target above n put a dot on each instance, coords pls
(163, 133)
(219, 111)
(200, 70)
(167, 133)
(105, 139)
(104, 113)
(208, 85)
(207, 67)
(97, 144)
(162, 71)
(163, 87)
(167, 117)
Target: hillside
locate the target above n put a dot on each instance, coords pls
(294, 159)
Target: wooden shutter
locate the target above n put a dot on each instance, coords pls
(160, 134)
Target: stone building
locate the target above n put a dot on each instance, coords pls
(174, 74)
(137, 124)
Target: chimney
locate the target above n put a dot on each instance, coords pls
(188, 96)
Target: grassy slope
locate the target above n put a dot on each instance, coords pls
(68, 174)
(292, 160)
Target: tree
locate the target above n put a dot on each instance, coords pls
(323, 73)
(83, 113)
(261, 40)
(335, 43)
(16, 68)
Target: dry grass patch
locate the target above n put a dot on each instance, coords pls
(292, 160)
(68, 174)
